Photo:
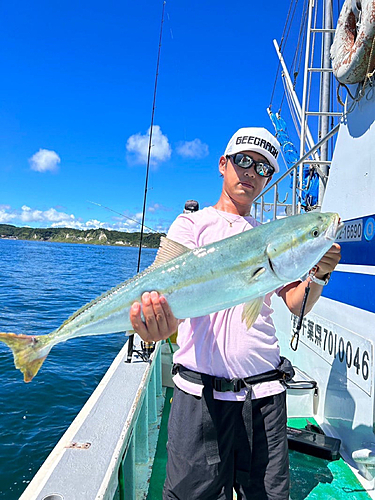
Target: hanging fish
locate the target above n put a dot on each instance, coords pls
(236, 270)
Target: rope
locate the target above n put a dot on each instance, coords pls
(291, 21)
(297, 53)
(123, 215)
(368, 74)
(282, 41)
(302, 34)
(292, 110)
(311, 65)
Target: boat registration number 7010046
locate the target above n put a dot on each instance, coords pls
(346, 351)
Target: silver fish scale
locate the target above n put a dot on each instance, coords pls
(213, 277)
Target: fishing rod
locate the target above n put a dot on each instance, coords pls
(147, 346)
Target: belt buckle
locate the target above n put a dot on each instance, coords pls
(226, 385)
(236, 384)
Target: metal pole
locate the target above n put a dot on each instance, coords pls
(330, 134)
(325, 93)
(304, 97)
(293, 94)
(275, 198)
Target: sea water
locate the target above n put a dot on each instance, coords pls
(41, 285)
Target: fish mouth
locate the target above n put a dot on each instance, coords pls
(334, 229)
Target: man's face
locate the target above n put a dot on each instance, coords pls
(242, 185)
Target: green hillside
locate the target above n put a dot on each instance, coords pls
(68, 235)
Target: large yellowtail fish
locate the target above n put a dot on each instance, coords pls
(239, 269)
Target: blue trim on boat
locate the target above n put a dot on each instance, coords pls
(358, 252)
(358, 249)
(354, 289)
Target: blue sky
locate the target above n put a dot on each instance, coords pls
(77, 88)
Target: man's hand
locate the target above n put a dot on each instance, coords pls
(159, 324)
(293, 294)
(329, 261)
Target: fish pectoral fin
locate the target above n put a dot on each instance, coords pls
(251, 311)
(258, 273)
(168, 250)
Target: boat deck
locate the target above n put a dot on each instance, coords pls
(311, 477)
(155, 490)
(315, 478)
(122, 424)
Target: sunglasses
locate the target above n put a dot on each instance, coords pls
(245, 161)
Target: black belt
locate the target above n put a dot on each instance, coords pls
(222, 384)
(210, 383)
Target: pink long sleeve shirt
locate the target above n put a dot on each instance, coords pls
(220, 344)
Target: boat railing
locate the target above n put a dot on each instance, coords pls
(261, 205)
(107, 452)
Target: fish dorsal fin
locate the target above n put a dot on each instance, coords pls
(251, 311)
(168, 250)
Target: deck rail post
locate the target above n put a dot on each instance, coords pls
(141, 433)
(127, 473)
(151, 394)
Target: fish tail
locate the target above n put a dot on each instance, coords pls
(29, 352)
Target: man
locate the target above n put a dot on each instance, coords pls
(227, 426)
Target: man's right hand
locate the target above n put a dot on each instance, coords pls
(159, 323)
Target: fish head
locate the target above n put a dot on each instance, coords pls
(299, 242)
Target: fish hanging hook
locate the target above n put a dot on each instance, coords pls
(279, 201)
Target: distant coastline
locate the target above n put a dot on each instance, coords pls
(91, 236)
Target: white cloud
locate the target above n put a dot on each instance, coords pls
(50, 215)
(45, 160)
(125, 226)
(77, 224)
(193, 149)
(137, 146)
(5, 216)
(31, 217)
(154, 207)
(157, 207)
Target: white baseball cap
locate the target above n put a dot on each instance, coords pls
(256, 139)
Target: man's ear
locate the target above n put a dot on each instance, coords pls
(222, 164)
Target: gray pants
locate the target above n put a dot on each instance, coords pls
(259, 471)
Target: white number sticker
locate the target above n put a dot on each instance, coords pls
(352, 231)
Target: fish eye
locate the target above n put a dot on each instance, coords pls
(315, 232)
